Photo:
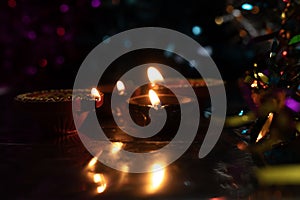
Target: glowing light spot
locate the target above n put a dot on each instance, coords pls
(255, 10)
(116, 147)
(247, 6)
(98, 178)
(120, 87)
(254, 84)
(154, 75)
(265, 129)
(60, 31)
(229, 8)
(93, 161)
(64, 8)
(95, 3)
(241, 112)
(125, 168)
(43, 62)
(205, 51)
(101, 188)
(236, 13)
(197, 30)
(12, 3)
(284, 53)
(31, 35)
(95, 93)
(243, 33)
(272, 54)
(157, 177)
(219, 20)
(154, 99)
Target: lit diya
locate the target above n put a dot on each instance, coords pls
(140, 105)
(53, 108)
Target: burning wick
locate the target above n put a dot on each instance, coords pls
(96, 95)
(154, 100)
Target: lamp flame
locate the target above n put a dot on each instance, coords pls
(154, 99)
(154, 75)
(95, 93)
(121, 87)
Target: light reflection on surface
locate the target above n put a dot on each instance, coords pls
(92, 162)
(97, 178)
(101, 188)
(100, 180)
(157, 177)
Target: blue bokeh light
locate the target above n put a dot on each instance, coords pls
(247, 6)
(197, 30)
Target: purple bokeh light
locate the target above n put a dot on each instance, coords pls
(31, 35)
(292, 104)
(95, 3)
(64, 8)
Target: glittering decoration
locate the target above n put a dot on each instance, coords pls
(273, 90)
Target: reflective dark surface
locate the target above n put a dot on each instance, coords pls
(37, 167)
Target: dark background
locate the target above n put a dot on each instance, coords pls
(43, 40)
(43, 43)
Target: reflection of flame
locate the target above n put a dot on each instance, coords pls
(95, 94)
(265, 127)
(154, 99)
(120, 87)
(157, 177)
(93, 161)
(154, 75)
(101, 182)
(116, 147)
